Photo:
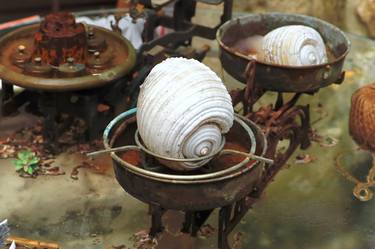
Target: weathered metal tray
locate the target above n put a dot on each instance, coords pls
(123, 61)
(278, 77)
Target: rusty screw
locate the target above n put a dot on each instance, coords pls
(97, 54)
(91, 33)
(70, 60)
(21, 49)
(38, 60)
(327, 72)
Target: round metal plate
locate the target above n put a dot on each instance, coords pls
(122, 62)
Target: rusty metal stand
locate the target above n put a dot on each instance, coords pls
(281, 121)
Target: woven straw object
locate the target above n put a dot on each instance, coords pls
(362, 117)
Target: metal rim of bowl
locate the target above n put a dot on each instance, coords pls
(231, 172)
(227, 24)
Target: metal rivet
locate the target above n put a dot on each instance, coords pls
(70, 60)
(21, 48)
(91, 33)
(327, 72)
(38, 60)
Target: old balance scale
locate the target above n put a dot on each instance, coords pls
(248, 159)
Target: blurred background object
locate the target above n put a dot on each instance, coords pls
(18, 8)
(342, 13)
(353, 16)
(366, 13)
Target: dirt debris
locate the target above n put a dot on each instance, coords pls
(71, 141)
(304, 159)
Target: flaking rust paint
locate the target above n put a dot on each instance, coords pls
(60, 37)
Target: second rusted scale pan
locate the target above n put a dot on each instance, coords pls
(282, 78)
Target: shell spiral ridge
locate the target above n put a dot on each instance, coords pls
(294, 45)
(183, 110)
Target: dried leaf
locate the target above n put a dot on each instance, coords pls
(304, 159)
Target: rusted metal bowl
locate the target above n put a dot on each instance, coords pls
(122, 62)
(215, 185)
(282, 78)
(362, 117)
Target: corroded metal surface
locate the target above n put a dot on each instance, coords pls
(59, 37)
(280, 122)
(20, 65)
(277, 77)
(66, 68)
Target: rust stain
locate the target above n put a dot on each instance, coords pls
(60, 37)
(132, 157)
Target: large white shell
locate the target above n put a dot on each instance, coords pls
(294, 45)
(183, 109)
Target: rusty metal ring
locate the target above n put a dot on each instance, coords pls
(186, 179)
(362, 191)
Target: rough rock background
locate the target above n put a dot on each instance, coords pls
(354, 16)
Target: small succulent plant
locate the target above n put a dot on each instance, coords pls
(27, 162)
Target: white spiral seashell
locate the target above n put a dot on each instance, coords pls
(183, 109)
(294, 45)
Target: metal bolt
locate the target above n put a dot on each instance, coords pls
(38, 60)
(21, 48)
(327, 72)
(97, 54)
(70, 60)
(91, 33)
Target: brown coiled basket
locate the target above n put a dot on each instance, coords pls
(362, 117)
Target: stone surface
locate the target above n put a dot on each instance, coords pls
(366, 12)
